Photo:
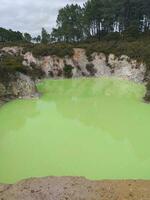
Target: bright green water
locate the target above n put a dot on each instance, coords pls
(97, 128)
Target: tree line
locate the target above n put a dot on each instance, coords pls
(100, 17)
(17, 36)
(95, 19)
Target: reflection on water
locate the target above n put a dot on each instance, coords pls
(14, 115)
(98, 128)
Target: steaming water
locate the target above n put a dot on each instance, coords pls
(97, 128)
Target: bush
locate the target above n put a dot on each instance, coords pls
(131, 33)
(11, 63)
(90, 68)
(68, 71)
(60, 50)
(147, 95)
(112, 36)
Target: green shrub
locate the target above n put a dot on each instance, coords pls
(60, 50)
(147, 95)
(90, 68)
(11, 63)
(112, 36)
(68, 71)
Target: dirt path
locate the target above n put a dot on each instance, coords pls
(75, 188)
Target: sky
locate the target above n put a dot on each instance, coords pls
(31, 15)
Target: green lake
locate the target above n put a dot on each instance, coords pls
(96, 128)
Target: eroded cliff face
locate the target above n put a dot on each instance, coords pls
(79, 65)
(16, 85)
(21, 84)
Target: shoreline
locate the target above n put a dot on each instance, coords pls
(37, 94)
(75, 188)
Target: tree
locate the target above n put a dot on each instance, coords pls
(45, 37)
(10, 36)
(27, 37)
(98, 18)
(93, 17)
(37, 39)
(69, 24)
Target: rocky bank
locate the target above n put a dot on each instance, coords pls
(21, 83)
(75, 188)
(80, 66)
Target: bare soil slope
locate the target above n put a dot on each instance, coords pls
(75, 188)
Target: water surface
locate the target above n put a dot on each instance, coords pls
(97, 128)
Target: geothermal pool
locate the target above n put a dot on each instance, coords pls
(97, 128)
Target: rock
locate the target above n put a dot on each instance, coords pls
(80, 62)
(75, 188)
(29, 60)
(23, 86)
(52, 66)
(126, 68)
(16, 85)
(12, 50)
(101, 65)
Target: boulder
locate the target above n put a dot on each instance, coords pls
(17, 85)
(22, 86)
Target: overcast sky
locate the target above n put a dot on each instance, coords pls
(31, 15)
